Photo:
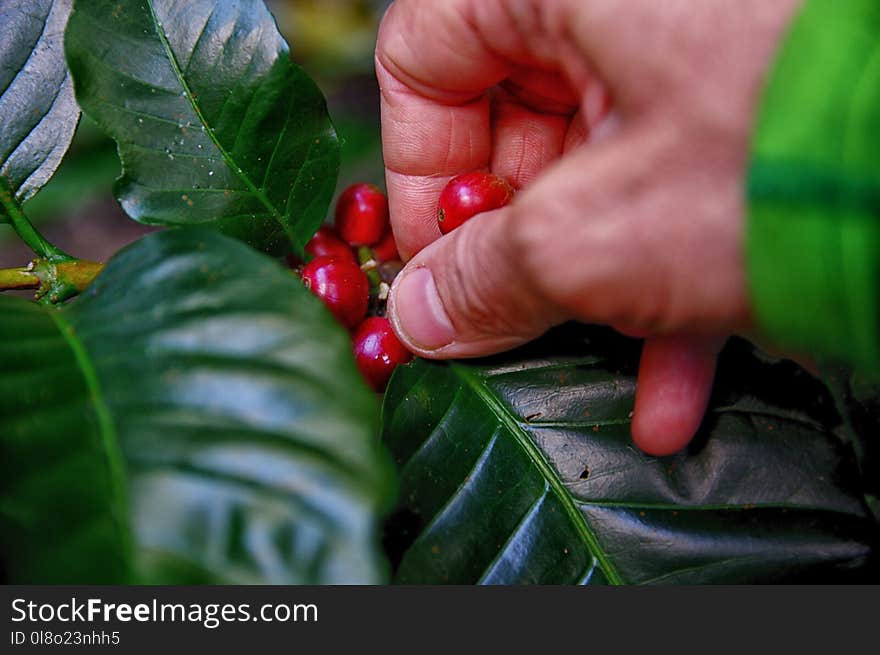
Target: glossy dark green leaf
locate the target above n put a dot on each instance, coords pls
(857, 396)
(63, 515)
(38, 113)
(520, 469)
(198, 398)
(215, 124)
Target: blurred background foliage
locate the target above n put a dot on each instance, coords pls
(333, 40)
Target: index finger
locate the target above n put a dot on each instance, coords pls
(434, 70)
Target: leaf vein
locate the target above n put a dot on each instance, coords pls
(31, 54)
(209, 130)
(578, 521)
(199, 38)
(530, 513)
(30, 131)
(106, 426)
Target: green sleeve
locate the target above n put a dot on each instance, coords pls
(813, 235)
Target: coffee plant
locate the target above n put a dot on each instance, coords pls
(190, 412)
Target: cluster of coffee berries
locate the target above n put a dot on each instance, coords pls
(352, 267)
(355, 262)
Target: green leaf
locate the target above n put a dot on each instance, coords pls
(38, 110)
(215, 124)
(199, 399)
(520, 469)
(62, 500)
(857, 396)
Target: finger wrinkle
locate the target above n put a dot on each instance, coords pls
(396, 86)
(525, 142)
(441, 60)
(421, 137)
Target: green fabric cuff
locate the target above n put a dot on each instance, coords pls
(813, 235)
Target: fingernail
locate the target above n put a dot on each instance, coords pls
(419, 312)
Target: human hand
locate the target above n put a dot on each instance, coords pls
(632, 219)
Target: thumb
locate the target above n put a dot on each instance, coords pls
(504, 277)
(464, 295)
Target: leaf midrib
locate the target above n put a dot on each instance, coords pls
(230, 162)
(513, 426)
(106, 427)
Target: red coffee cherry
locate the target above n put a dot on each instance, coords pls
(386, 249)
(362, 215)
(470, 194)
(328, 243)
(378, 351)
(342, 285)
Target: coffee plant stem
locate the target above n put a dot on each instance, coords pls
(60, 281)
(23, 227)
(54, 281)
(18, 278)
